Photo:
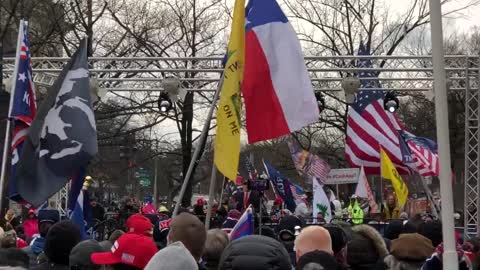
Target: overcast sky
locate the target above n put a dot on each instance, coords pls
(462, 21)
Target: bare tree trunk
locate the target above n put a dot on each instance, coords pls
(89, 28)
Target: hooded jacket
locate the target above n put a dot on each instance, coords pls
(34, 249)
(30, 226)
(255, 252)
(366, 249)
(174, 257)
(409, 252)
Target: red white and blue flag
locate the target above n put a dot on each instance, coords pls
(244, 225)
(420, 154)
(23, 107)
(148, 207)
(298, 193)
(276, 88)
(370, 126)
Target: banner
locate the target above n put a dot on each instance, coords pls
(390, 172)
(281, 186)
(342, 176)
(321, 203)
(63, 135)
(308, 164)
(363, 190)
(227, 141)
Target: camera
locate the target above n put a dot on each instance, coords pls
(260, 184)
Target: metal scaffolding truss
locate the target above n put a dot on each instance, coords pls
(400, 73)
(396, 73)
(472, 151)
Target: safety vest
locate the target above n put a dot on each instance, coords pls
(357, 213)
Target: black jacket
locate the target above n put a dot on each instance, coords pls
(255, 252)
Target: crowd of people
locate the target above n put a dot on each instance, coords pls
(44, 240)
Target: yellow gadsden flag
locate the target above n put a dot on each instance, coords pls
(390, 172)
(227, 142)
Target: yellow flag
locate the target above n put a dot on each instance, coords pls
(390, 172)
(227, 142)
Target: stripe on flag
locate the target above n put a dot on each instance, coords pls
(244, 225)
(370, 126)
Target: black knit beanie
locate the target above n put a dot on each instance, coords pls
(61, 239)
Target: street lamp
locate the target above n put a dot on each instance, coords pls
(350, 86)
(164, 102)
(390, 102)
(320, 101)
(96, 92)
(172, 86)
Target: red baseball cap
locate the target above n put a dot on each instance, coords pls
(130, 248)
(139, 224)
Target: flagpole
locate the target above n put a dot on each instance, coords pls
(211, 191)
(203, 137)
(6, 145)
(428, 192)
(220, 201)
(450, 259)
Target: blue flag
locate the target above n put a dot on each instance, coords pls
(79, 210)
(23, 108)
(62, 137)
(282, 185)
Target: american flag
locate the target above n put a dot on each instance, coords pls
(252, 172)
(23, 107)
(420, 154)
(298, 193)
(370, 126)
(308, 164)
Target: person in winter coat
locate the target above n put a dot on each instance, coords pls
(231, 221)
(131, 251)
(189, 230)
(435, 261)
(79, 258)
(408, 252)
(255, 252)
(313, 238)
(286, 234)
(61, 239)
(366, 249)
(174, 257)
(317, 260)
(14, 258)
(339, 243)
(216, 242)
(46, 219)
(391, 210)
(30, 225)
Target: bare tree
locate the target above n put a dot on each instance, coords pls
(336, 28)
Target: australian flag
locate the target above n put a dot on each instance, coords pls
(23, 108)
(282, 186)
(63, 136)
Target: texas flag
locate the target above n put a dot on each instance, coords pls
(277, 90)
